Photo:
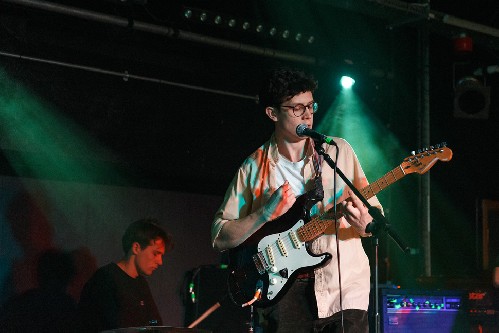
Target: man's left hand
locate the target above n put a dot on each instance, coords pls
(356, 213)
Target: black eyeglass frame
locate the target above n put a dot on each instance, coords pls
(312, 106)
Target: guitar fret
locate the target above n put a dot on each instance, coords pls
(400, 166)
(384, 182)
(394, 176)
(369, 192)
(365, 191)
(387, 181)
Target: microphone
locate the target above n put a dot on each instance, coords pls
(303, 130)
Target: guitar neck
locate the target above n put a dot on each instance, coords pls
(379, 185)
(316, 226)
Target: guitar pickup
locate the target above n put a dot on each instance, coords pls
(270, 255)
(282, 247)
(294, 239)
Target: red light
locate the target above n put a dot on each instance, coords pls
(463, 44)
(476, 296)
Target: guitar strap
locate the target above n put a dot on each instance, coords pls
(317, 194)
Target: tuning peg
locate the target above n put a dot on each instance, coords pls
(413, 153)
(432, 148)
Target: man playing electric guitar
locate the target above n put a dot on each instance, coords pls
(266, 187)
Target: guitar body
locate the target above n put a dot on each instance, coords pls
(272, 258)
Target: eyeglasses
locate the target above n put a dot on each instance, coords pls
(299, 109)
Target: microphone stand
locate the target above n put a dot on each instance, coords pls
(378, 224)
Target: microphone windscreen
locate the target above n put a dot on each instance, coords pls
(300, 129)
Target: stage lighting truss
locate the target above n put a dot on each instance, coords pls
(222, 21)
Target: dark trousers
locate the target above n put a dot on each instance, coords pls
(353, 321)
(296, 312)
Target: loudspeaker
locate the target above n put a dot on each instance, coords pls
(204, 287)
(472, 102)
(471, 93)
(407, 311)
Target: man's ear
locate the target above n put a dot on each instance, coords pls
(135, 248)
(271, 113)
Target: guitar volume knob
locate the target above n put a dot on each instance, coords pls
(273, 281)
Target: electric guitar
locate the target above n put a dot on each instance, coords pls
(263, 267)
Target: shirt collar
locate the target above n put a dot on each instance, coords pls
(274, 152)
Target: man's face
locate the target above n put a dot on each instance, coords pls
(148, 259)
(286, 122)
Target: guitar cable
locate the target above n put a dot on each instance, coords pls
(257, 296)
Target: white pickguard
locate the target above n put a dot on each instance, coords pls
(284, 254)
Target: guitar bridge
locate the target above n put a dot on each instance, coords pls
(260, 263)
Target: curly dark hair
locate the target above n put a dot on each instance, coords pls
(143, 232)
(282, 84)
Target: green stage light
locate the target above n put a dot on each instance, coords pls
(347, 82)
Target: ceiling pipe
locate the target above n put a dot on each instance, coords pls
(424, 10)
(460, 23)
(126, 75)
(163, 30)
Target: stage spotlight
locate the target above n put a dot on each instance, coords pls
(347, 82)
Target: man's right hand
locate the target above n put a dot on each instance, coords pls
(234, 232)
(279, 202)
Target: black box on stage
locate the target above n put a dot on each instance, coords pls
(204, 287)
(428, 311)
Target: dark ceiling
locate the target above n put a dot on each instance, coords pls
(173, 98)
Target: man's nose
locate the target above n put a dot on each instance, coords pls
(308, 112)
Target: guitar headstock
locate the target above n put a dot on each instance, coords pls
(422, 160)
